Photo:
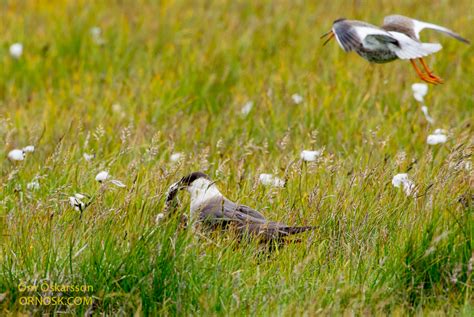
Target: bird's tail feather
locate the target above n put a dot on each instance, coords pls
(431, 48)
(287, 230)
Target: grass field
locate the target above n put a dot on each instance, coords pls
(166, 77)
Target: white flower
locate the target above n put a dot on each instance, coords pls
(96, 31)
(246, 108)
(29, 149)
(467, 165)
(33, 185)
(102, 176)
(419, 91)
(16, 50)
(271, 180)
(88, 157)
(310, 156)
(437, 137)
(297, 99)
(96, 34)
(429, 118)
(176, 157)
(79, 196)
(434, 139)
(16, 155)
(117, 183)
(159, 217)
(402, 179)
(116, 107)
(77, 203)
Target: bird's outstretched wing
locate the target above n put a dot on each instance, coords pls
(417, 26)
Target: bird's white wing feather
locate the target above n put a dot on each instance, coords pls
(410, 49)
(418, 26)
(350, 37)
(363, 31)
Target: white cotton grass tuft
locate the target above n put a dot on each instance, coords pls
(439, 136)
(400, 180)
(271, 180)
(19, 155)
(79, 196)
(428, 118)
(434, 139)
(88, 157)
(310, 156)
(118, 110)
(467, 165)
(104, 176)
(33, 185)
(248, 106)
(117, 183)
(419, 91)
(29, 149)
(297, 99)
(176, 157)
(16, 155)
(16, 50)
(77, 203)
(96, 34)
(159, 217)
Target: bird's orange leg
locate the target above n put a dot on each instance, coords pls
(422, 76)
(428, 71)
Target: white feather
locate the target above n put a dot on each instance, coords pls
(201, 191)
(418, 26)
(410, 49)
(363, 31)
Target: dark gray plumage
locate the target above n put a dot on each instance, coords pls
(212, 210)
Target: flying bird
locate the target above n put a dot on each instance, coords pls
(397, 38)
(212, 209)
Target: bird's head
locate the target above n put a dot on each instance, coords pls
(330, 35)
(196, 181)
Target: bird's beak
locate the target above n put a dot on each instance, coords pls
(173, 191)
(330, 34)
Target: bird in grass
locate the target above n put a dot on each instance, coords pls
(397, 38)
(213, 210)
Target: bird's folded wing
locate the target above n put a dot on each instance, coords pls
(233, 208)
(224, 210)
(249, 211)
(347, 37)
(351, 37)
(408, 48)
